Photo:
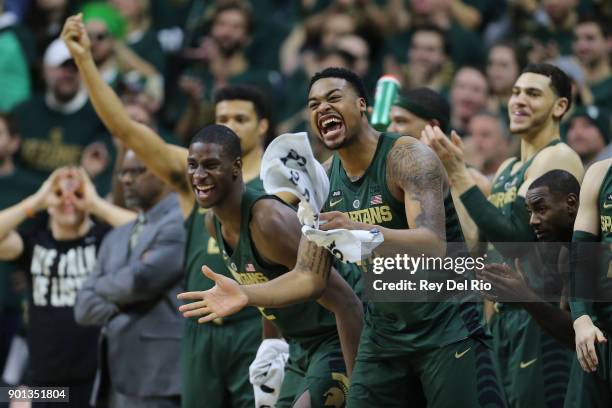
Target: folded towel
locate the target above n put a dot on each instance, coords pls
(267, 371)
(288, 165)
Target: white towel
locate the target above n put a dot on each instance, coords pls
(267, 371)
(288, 165)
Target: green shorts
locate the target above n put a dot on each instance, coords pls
(460, 375)
(216, 361)
(534, 367)
(318, 369)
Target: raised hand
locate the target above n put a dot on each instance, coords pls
(49, 194)
(450, 151)
(224, 299)
(507, 284)
(86, 196)
(75, 37)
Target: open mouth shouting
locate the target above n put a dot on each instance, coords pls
(203, 192)
(331, 126)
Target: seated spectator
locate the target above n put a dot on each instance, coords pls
(592, 47)
(141, 38)
(589, 133)
(17, 57)
(106, 30)
(468, 96)
(489, 142)
(59, 127)
(45, 18)
(429, 63)
(555, 28)
(504, 64)
(58, 259)
(220, 58)
(132, 294)
(17, 184)
(469, 49)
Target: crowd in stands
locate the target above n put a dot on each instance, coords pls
(168, 60)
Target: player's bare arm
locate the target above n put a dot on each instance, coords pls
(165, 161)
(587, 220)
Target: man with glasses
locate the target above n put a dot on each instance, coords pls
(132, 293)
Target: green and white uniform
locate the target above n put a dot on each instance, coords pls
(534, 366)
(216, 356)
(410, 353)
(594, 390)
(315, 357)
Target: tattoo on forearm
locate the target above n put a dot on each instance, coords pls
(313, 258)
(418, 171)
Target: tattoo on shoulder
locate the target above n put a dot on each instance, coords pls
(419, 173)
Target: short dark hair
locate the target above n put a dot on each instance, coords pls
(430, 28)
(342, 73)
(11, 123)
(221, 135)
(559, 182)
(593, 19)
(519, 57)
(560, 82)
(245, 93)
(425, 103)
(242, 6)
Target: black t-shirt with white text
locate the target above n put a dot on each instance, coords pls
(61, 351)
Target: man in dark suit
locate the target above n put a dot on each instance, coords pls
(132, 294)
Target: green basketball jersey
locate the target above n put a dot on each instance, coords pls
(603, 310)
(504, 196)
(307, 322)
(202, 249)
(399, 326)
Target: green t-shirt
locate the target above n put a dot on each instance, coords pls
(15, 71)
(149, 49)
(602, 93)
(399, 327)
(51, 139)
(306, 323)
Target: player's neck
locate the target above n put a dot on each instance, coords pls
(251, 164)
(357, 156)
(228, 211)
(533, 143)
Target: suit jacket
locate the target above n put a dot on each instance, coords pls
(132, 294)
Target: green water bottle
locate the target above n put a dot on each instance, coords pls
(387, 88)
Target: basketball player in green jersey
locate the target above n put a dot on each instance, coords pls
(215, 357)
(593, 320)
(540, 97)
(259, 236)
(409, 353)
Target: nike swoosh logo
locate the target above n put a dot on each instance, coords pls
(527, 364)
(607, 206)
(459, 355)
(333, 203)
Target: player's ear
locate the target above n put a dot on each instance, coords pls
(363, 107)
(560, 108)
(237, 167)
(572, 203)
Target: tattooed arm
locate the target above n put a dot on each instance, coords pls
(415, 176)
